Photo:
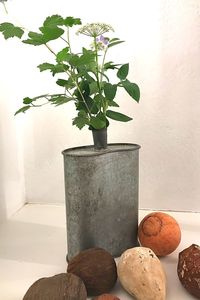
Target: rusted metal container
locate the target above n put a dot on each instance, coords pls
(101, 191)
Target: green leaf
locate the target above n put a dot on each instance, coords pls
(51, 33)
(27, 100)
(63, 55)
(36, 39)
(110, 90)
(114, 40)
(45, 66)
(123, 72)
(59, 68)
(117, 116)
(93, 87)
(113, 103)
(132, 89)
(86, 58)
(99, 100)
(87, 76)
(70, 21)
(62, 82)
(84, 86)
(9, 30)
(92, 105)
(48, 34)
(60, 100)
(97, 122)
(53, 21)
(81, 120)
(23, 109)
(115, 43)
(68, 84)
(110, 65)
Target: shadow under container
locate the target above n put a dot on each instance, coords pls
(101, 193)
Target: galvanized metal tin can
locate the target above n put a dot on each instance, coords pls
(101, 191)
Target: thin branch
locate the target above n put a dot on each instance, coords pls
(39, 105)
(50, 49)
(5, 7)
(64, 40)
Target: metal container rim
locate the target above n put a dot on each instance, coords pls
(67, 151)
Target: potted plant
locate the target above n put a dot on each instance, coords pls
(84, 79)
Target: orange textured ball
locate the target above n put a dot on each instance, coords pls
(159, 232)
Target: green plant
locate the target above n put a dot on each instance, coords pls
(84, 74)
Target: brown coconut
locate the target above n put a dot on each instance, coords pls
(97, 268)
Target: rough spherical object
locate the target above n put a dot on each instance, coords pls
(159, 232)
(189, 269)
(141, 274)
(97, 268)
(106, 297)
(60, 287)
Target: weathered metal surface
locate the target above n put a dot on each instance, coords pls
(101, 189)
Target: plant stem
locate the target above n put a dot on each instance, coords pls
(97, 63)
(50, 49)
(72, 73)
(5, 7)
(68, 40)
(64, 40)
(75, 81)
(103, 61)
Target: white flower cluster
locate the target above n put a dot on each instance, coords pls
(95, 29)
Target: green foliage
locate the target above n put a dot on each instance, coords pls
(63, 55)
(132, 89)
(85, 74)
(53, 21)
(98, 122)
(81, 120)
(58, 68)
(110, 90)
(117, 116)
(123, 71)
(114, 42)
(23, 109)
(9, 30)
(47, 34)
(60, 99)
(70, 21)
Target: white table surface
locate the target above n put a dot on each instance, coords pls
(33, 245)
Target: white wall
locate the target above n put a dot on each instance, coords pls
(12, 188)
(163, 48)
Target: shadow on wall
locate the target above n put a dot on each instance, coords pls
(3, 213)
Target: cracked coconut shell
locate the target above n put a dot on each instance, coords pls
(60, 287)
(141, 274)
(189, 269)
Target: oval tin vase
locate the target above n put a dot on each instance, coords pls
(101, 191)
